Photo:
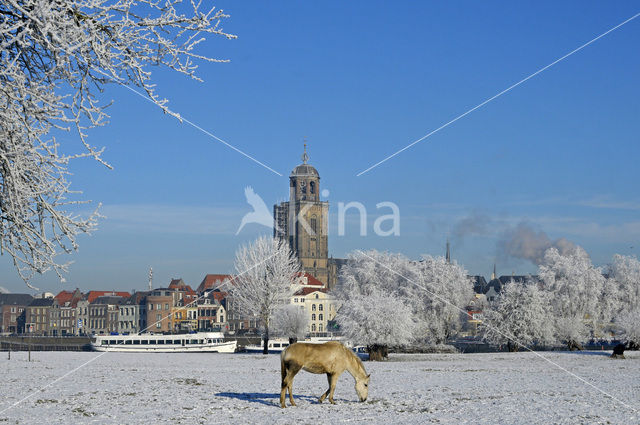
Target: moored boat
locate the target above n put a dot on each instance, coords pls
(158, 343)
(276, 345)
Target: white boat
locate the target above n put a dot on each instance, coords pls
(158, 343)
(276, 345)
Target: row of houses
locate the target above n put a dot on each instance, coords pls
(175, 308)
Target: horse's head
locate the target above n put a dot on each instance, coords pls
(362, 388)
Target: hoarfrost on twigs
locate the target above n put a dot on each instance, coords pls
(55, 58)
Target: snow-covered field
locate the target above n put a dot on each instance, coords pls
(500, 388)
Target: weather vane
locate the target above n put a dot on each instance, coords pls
(305, 156)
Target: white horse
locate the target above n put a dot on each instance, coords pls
(331, 358)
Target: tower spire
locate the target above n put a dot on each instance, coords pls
(448, 255)
(493, 275)
(305, 156)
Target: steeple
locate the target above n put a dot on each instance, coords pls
(448, 254)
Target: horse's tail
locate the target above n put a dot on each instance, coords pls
(283, 369)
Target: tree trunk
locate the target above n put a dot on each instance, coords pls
(574, 345)
(618, 351)
(265, 340)
(378, 352)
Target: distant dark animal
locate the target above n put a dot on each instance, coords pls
(618, 351)
(331, 358)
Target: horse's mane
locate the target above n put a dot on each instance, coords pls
(355, 357)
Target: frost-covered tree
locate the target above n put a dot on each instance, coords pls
(575, 289)
(624, 281)
(629, 325)
(519, 318)
(435, 291)
(375, 307)
(440, 299)
(291, 322)
(267, 276)
(624, 272)
(377, 319)
(56, 56)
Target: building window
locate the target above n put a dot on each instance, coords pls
(320, 316)
(314, 225)
(320, 327)
(313, 317)
(166, 306)
(312, 187)
(313, 327)
(320, 307)
(313, 307)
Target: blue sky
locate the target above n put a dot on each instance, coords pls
(361, 80)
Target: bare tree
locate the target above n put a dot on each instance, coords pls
(56, 56)
(268, 276)
(291, 322)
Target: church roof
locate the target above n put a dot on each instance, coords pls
(305, 170)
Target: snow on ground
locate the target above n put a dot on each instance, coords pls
(240, 388)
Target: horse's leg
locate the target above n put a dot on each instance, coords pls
(287, 384)
(283, 387)
(332, 386)
(323, 396)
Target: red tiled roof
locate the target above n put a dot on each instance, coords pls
(209, 281)
(219, 295)
(68, 297)
(92, 295)
(63, 297)
(312, 281)
(306, 290)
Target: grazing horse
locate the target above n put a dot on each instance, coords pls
(331, 358)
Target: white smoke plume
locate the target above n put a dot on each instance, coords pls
(476, 224)
(525, 242)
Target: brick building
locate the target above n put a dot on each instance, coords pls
(12, 312)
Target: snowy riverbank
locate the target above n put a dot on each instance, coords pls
(236, 388)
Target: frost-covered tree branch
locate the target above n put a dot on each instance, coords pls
(56, 56)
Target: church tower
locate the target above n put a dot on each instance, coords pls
(303, 220)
